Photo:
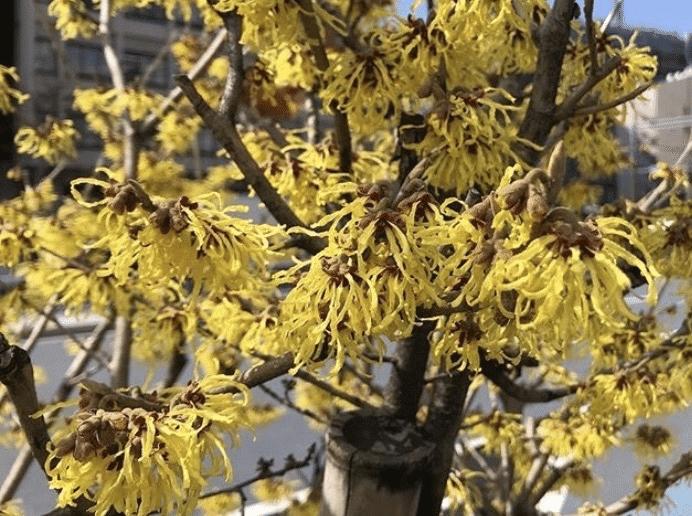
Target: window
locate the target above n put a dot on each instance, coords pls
(136, 63)
(154, 13)
(45, 60)
(88, 61)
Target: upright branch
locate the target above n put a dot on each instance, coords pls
(445, 415)
(552, 35)
(122, 344)
(131, 138)
(234, 80)
(588, 17)
(343, 132)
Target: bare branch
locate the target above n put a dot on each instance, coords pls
(569, 105)
(588, 15)
(234, 80)
(552, 35)
(153, 118)
(407, 379)
(17, 374)
(229, 138)
(267, 371)
(492, 370)
(441, 427)
(290, 464)
(122, 343)
(131, 143)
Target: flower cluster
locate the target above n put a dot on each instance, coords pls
(72, 19)
(536, 271)
(469, 138)
(9, 95)
(52, 141)
(180, 239)
(669, 238)
(589, 139)
(138, 453)
(366, 285)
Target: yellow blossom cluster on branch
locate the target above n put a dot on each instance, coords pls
(366, 284)
(54, 140)
(9, 95)
(148, 453)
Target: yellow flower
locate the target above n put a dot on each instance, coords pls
(628, 394)
(463, 491)
(668, 236)
(72, 19)
(181, 239)
(267, 23)
(8, 94)
(177, 131)
(53, 140)
(636, 337)
(559, 279)
(365, 286)
(578, 194)
(580, 437)
(11, 508)
(652, 441)
(589, 139)
(673, 175)
(138, 455)
(469, 140)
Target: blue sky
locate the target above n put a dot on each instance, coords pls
(666, 15)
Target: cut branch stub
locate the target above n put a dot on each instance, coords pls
(375, 465)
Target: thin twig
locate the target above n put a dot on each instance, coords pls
(153, 118)
(131, 144)
(343, 132)
(229, 138)
(588, 15)
(289, 403)
(291, 464)
(492, 370)
(330, 389)
(569, 105)
(158, 59)
(589, 110)
(681, 469)
(647, 202)
(17, 472)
